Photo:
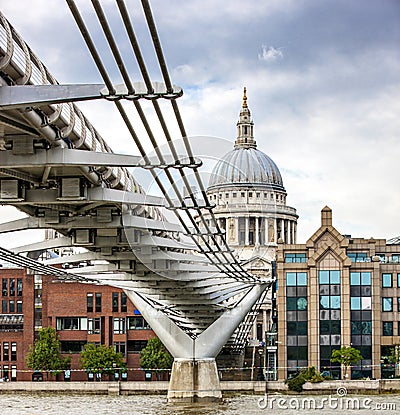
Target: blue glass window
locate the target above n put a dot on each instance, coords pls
(324, 302)
(329, 277)
(387, 304)
(335, 302)
(355, 303)
(355, 278)
(296, 279)
(365, 278)
(298, 258)
(291, 279)
(335, 277)
(357, 256)
(302, 278)
(324, 277)
(386, 280)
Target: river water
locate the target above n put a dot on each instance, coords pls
(43, 404)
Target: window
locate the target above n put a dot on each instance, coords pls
(98, 302)
(386, 280)
(13, 351)
(355, 303)
(119, 325)
(387, 304)
(4, 287)
(12, 306)
(124, 303)
(398, 280)
(226, 195)
(289, 258)
(361, 327)
(257, 195)
(329, 277)
(115, 302)
(5, 371)
(137, 323)
(234, 194)
(360, 278)
(387, 327)
(6, 351)
(72, 346)
(120, 347)
(358, 256)
(89, 302)
(4, 306)
(398, 307)
(19, 287)
(243, 194)
(94, 325)
(12, 286)
(296, 279)
(250, 194)
(71, 323)
(136, 345)
(395, 257)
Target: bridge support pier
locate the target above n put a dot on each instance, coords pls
(194, 373)
(194, 381)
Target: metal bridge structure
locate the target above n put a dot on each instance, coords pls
(175, 266)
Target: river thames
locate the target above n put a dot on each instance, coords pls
(17, 404)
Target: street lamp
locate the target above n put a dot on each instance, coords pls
(260, 374)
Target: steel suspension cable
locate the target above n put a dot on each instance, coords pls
(227, 265)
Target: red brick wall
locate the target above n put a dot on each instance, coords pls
(68, 299)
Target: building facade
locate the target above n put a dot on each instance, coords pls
(336, 291)
(80, 313)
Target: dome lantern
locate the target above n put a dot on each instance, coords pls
(246, 165)
(245, 138)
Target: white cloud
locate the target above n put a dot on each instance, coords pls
(327, 114)
(270, 54)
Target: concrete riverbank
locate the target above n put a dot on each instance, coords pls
(374, 387)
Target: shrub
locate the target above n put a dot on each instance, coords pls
(311, 374)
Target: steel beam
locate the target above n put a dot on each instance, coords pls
(22, 96)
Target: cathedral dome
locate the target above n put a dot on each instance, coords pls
(246, 165)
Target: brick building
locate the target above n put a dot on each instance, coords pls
(80, 313)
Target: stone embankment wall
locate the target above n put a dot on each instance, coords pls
(227, 387)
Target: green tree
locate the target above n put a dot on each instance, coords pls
(346, 356)
(99, 358)
(45, 355)
(155, 356)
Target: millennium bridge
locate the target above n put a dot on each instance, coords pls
(173, 264)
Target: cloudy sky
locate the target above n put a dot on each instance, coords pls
(323, 82)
